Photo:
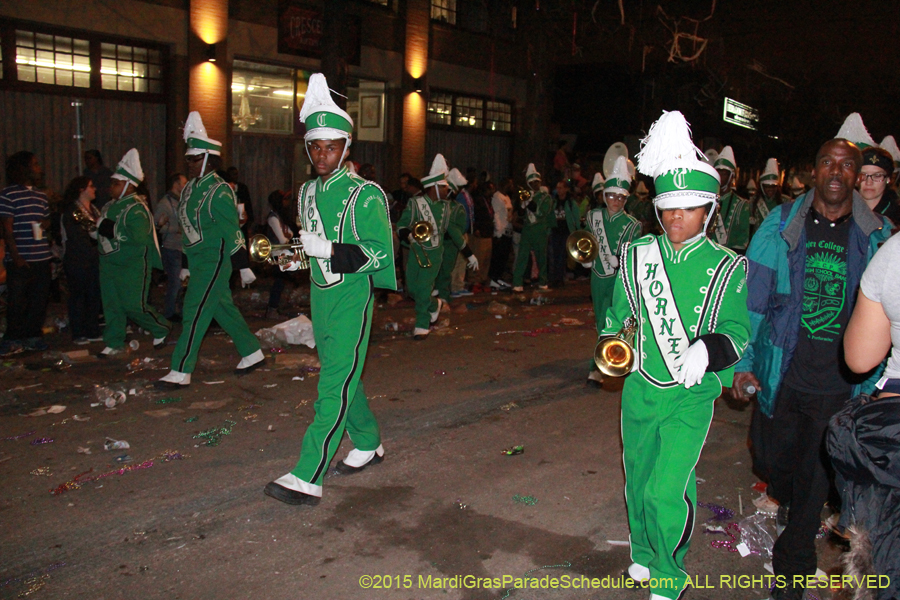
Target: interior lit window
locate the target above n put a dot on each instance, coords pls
(261, 97)
(130, 69)
(52, 59)
(440, 109)
(444, 11)
(498, 116)
(469, 112)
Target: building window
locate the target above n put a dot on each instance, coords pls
(130, 69)
(440, 109)
(498, 116)
(52, 59)
(444, 11)
(469, 112)
(261, 98)
(464, 112)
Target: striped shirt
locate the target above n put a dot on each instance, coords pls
(25, 205)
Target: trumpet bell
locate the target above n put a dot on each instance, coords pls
(422, 231)
(260, 248)
(613, 357)
(614, 354)
(582, 246)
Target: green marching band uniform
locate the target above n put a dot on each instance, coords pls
(128, 254)
(692, 297)
(211, 235)
(426, 257)
(613, 232)
(762, 205)
(454, 238)
(535, 231)
(732, 227)
(351, 214)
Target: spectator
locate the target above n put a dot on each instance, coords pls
(367, 172)
(502, 241)
(81, 261)
(483, 227)
(169, 228)
(25, 218)
(400, 197)
(874, 182)
(278, 232)
(99, 174)
(245, 203)
(806, 261)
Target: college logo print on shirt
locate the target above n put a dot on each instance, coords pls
(823, 294)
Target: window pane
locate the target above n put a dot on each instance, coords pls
(108, 50)
(108, 82)
(63, 77)
(440, 109)
(43, 41)
(123, 52)
(499, 116)
(262, 97)
(444, 11)
(468, 112)
(140, 54)
(155, 87)
(45, 75)
(82, 79)
(140, 85)
(38, 62)
(82, 47)
(24, 39)
(26, 73)
(154, 56)
(126, 84)
(64, 44)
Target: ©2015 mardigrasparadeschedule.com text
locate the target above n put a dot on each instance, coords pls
(563, 582)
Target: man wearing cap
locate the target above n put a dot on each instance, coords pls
(874, 184)
(346, 233)
(455, 240)
(426, 256)
(806, 263)
(213, 245)
(614, 229)
(129, 252)
(535, 231)
(687, 296)
(732, 228)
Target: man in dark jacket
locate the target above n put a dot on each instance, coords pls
(806, 262)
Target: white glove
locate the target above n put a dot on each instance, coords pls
(692, 364)
(614, 261)
(472, 263)
(247, 277)
(291, 266)
(315, 246)
(184, 274)
(588, 265)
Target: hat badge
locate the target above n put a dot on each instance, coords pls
(320, 120)
(680, 179)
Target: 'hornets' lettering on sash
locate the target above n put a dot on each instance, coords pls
(313, 224)
(666, 327)
(423, 208)
(604, 254)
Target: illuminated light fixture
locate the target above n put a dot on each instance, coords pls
(419, 84)
(282, 93)
(211, 52)
(53, 65)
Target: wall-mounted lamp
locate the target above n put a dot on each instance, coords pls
(211, 52)
(419, 84)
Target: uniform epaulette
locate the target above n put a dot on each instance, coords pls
(643, 240)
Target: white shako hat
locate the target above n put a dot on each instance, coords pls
(668, 155)
(438, 173)
(531, 174)
(324, 119)
(597, 184)
(890, 144)
(853, 130)
(726, 160)
(619, 181)
(771, 174)
(198, 142)
(456, 180)
(129, 168)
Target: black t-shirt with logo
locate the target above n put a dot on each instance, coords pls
(818, 364)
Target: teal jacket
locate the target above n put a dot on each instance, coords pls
(777, 256)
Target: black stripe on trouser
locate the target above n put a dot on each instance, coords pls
(200, 307)
(144, 295)
(323, 462)
(688, 527)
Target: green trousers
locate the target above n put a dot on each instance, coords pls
(601, 295)
(124, 293)
(208, 297)
(445, 276)
(663, 431)
(534, 239)
(420, 282)
(342, 320)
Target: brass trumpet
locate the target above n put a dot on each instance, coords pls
(582, 246)
(614, 354)
(261, 250)
(421, 233)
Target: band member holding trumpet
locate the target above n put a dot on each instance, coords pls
(128, 253)
(455, 240)
(612, 229)
(346, 233)
(212, 241)
(423, 225)
(686, 297)
(538, 209)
